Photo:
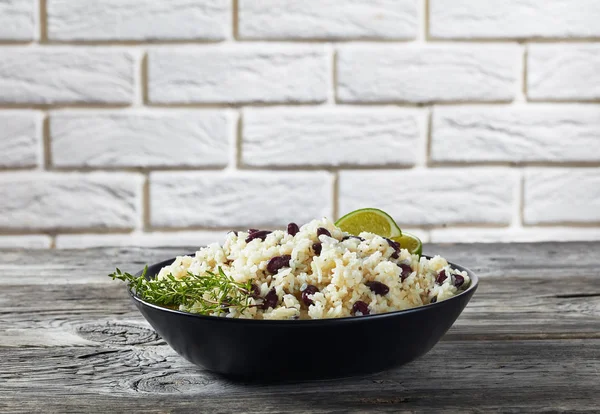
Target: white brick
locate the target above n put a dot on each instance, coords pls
(508, 235)
(20, 139)
(466, 19)
(17, 20)
(102, 20)
(557, 133)
(330, 136)
(239, 74)
(562, 195)
(47, 201)
(413, 73)
(563, 72)
(328, 19)
(182, 239)
(142, 139)
(33, 241)
(234, 199)
(433, 197)
(64, 75)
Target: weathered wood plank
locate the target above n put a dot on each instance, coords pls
(525, 375)
(76, 266)
(548, 260)
(70, 341)
(502, 308)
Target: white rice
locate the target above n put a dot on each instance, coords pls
(339, 272)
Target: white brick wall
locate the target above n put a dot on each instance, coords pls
(140, 139)
(436, 197)
(552, 133)
(562, 195)
(65, 75)
(563, 72)
(238, 74)
(150, 122)
(417, 73)
(230, 200)
(328, 19)
(118, 20)
(18, 20)
(20, 139)
(330, 136)
(49, 201)
(472, 19)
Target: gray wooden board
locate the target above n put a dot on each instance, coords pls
(71, 341)
(531, 375)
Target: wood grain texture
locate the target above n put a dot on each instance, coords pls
(528, 341)
(455, 375)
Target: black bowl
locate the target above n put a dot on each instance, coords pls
(267, 350)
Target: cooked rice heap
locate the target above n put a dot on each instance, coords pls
(350, 276)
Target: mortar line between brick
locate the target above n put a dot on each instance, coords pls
(424, 32)
(332, 92)
(141, 96)
(235, 19)
(520, 96)
(336, 195)
(524, 78)
(236, 161)
(209, 106)
(427, 136)
(46, 144)
(62, 231)
(43, 21)
(145, 204)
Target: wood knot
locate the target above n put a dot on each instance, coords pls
(171, 382)
(117, 333)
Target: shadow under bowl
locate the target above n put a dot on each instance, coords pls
(270, 350)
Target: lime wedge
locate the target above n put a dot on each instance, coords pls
(371, 220)
(410, 242)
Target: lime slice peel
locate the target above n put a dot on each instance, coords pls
(376, 221)
(371, 220)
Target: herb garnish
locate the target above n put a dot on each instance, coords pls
(211, 293)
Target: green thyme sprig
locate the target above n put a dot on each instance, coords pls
(209, 293)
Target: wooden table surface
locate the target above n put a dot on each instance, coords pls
(71, 341)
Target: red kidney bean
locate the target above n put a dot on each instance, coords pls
(278, 262)
(406, 271)
(360, 306)
(378, 288)
(321, 231)
(396, 246)
(310, 290)
(317, 247)
(252, 231)
(254, 291)
(293, 229)
(258, 234)
(441, 277)
(458, 280)
(352, 237)
(271, 299)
